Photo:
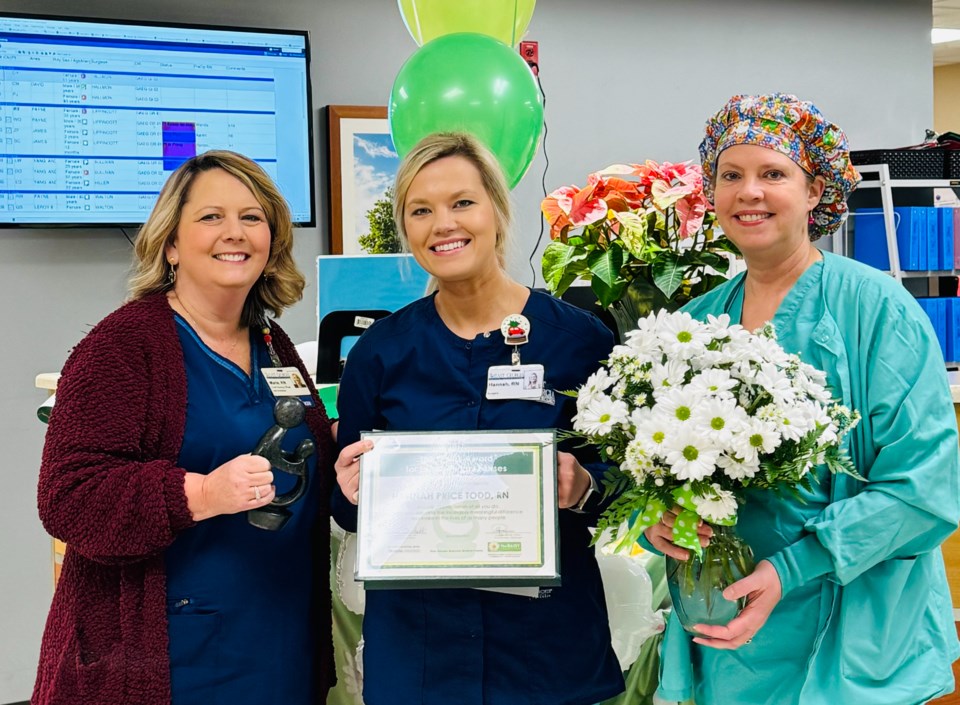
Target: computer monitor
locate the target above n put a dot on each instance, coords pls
(96, 114)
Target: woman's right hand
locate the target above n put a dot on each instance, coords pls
(348, 469)
(660, 535)
(246, 482)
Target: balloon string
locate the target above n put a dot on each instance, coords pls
(513, 31)
(543, 181)
(416, 21)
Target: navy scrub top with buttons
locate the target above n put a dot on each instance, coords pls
(239, 597)
(409, 372)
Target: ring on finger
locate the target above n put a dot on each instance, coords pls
(256, 492)
(748, 641)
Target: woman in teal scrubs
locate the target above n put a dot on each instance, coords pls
(849, 601)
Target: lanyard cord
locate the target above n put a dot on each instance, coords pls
(268, 339)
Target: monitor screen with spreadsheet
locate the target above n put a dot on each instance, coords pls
(95, 114)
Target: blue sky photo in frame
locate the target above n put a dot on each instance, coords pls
(375, 163)
(363, 164)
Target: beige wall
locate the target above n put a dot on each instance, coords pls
(946, 98)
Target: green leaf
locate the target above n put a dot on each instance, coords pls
(633, 233)
(722, 243)
(708, 282)
(558, 259)
(606, 295)
(564, 284)
(668, 273)
(722, 266)
(713, 259)
(605, 264)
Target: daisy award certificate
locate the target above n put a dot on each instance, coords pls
(464, 508)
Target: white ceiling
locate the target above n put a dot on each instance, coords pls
(946, 15)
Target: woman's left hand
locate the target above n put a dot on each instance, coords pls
(763, 591)
(572, 480)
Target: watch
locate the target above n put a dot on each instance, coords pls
(593, 492)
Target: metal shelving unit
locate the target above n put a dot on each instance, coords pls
(886, 186)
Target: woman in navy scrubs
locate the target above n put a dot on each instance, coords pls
(425, 368)
(168, 594)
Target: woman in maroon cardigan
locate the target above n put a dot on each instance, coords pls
(168, 594)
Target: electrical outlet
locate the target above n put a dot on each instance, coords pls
(530, 52)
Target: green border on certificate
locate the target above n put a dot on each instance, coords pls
(473, 508)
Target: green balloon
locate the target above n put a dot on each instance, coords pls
(505, 20)
(469, 83)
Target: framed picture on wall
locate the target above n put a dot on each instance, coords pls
(363, 163)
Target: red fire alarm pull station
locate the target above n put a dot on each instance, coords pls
(531, 54)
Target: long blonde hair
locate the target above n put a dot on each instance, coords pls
(458, 144)
(282, 282)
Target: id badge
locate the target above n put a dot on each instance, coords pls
(520, 382)
(286, 382)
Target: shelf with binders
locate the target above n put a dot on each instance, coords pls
(896, 227)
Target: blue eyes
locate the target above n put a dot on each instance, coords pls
(423, 210)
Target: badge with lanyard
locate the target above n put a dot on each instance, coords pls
(516, 380)
(284, 381)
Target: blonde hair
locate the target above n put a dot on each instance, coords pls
(457, 144)
(281, 284)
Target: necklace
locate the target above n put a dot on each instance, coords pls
(196, 327)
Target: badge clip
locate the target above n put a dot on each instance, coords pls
(516, 332)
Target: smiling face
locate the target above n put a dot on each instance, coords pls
(763, 199)
(450, 221)
(223, 238)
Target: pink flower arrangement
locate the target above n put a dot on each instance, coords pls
(649, 221)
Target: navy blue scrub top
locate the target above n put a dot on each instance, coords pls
(239, 597)
(409, 372)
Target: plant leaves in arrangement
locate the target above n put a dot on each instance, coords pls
(636, 221)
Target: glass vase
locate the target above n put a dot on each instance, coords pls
(697, 584)
(640, 298)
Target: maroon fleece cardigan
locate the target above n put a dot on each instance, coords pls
(110, 487)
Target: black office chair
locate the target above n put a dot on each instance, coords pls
(334, 327)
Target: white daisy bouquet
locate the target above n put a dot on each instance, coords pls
(695, 414)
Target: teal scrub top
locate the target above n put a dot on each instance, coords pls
(866, 615)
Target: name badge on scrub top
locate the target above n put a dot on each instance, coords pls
(287, 382)
(520, 382)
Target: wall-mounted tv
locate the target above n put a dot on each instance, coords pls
(96, 114)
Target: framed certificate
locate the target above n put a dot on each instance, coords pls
(449, 509)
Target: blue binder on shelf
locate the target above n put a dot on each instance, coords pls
(933, 243)
(936, 310)
(953, 329)
(945, 235)
(940, 324)
(870, 239)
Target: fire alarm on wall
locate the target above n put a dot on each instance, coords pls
(531, 54)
